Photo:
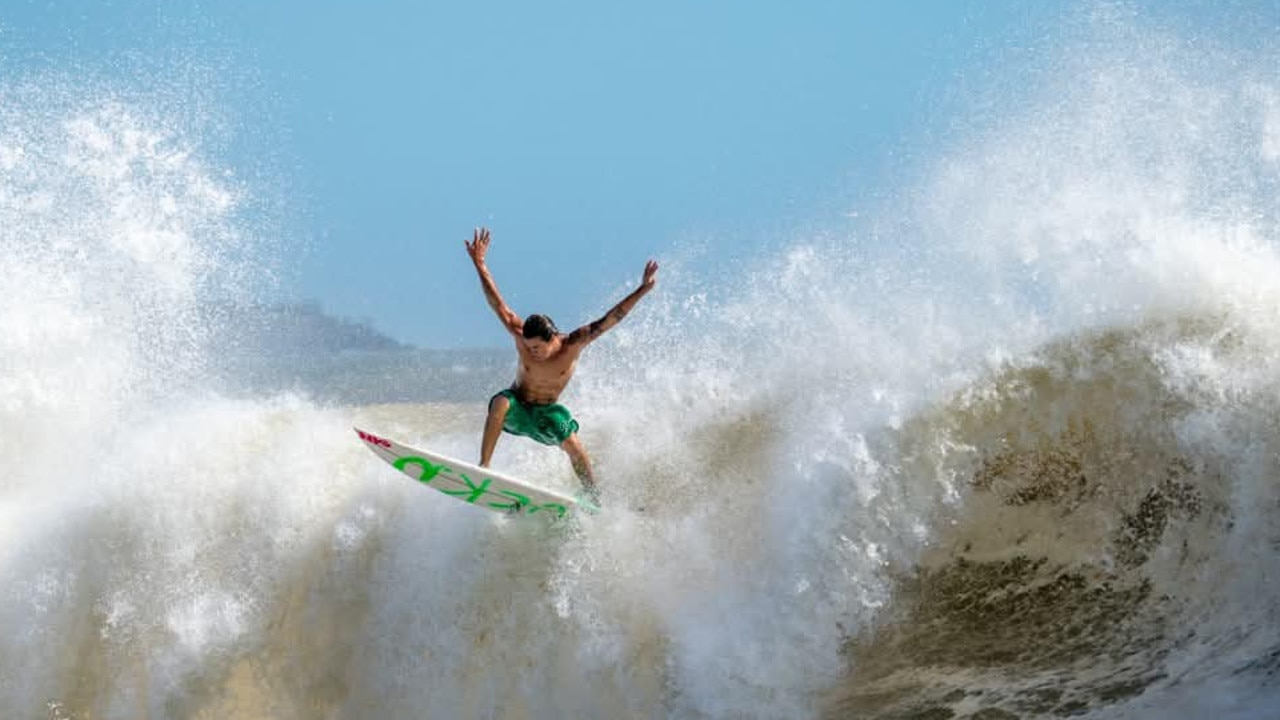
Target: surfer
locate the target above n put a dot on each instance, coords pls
(547, 360)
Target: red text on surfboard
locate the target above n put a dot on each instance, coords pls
(373, 439)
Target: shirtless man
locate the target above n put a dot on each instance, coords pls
(547, 360)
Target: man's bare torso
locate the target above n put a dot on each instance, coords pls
(540, 382)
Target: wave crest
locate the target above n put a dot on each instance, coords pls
(1095, 553)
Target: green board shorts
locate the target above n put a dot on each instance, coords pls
(548, 424)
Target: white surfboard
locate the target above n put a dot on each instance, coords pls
(472, 484)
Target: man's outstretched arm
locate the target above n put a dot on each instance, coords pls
(477, 248)
(587, 333)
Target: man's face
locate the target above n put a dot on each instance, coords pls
(540, 349)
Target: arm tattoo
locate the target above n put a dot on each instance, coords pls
(611, 318)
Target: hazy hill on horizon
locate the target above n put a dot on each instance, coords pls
(283, 329)
(267, 348)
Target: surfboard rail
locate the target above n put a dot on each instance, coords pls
(470, 483)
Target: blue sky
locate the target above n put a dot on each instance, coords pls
(589, 136)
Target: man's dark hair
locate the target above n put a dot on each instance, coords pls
(540, 326)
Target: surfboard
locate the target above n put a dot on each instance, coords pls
(472, 484)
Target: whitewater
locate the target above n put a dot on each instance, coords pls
(1005, 446)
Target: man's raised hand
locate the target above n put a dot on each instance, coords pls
(650, 275)
(478, 246)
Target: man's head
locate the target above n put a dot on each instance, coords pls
(540, 335)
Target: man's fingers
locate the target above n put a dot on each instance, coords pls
(479, 241)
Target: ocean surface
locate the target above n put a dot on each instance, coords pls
(1007, 446)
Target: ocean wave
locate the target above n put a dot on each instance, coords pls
(1115, 536)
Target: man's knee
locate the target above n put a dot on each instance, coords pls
(499, 404)
(579, 459)
(573, 447)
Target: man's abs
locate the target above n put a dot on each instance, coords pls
(536, 388)
(536, 394)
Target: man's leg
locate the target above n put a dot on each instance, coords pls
(498, 407)
(581, 463)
